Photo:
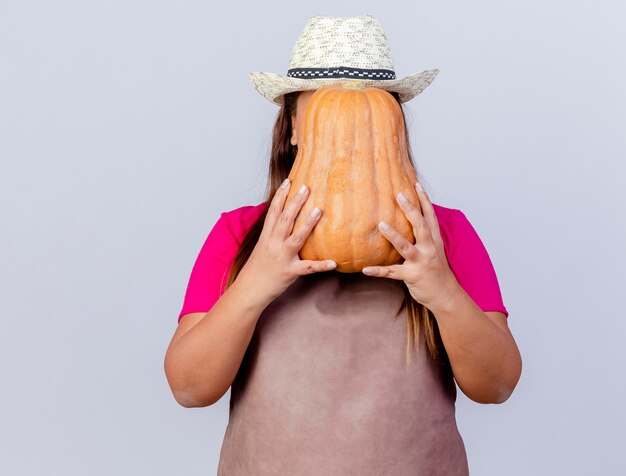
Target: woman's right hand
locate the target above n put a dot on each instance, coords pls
(274, 263)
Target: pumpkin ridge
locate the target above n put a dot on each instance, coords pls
(362, 160)
(392, 153)
(342, 114)
(319, 163)
(312, 161)
(326, 233)
(353, 97)
(384, 181)
(330, 231)
(373, 227)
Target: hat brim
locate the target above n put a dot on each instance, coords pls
(273, 86)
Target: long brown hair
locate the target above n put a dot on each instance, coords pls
(282, 157)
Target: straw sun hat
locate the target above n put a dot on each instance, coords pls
(335, 49)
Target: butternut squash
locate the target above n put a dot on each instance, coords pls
(352, 155)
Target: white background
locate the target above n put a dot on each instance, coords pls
(127, 127)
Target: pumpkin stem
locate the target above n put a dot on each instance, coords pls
(354, 84)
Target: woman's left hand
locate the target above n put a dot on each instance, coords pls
(425, 270)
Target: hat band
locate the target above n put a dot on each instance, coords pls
(341, 72)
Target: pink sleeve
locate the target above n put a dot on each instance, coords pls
(472, 266)
(210, 270)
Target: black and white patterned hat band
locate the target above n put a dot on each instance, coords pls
(341, 72)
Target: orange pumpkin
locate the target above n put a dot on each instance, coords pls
(352, 155)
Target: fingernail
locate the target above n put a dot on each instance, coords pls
(419, 186)
(331, 264)
(302, 189)
(285, 183)
(315, 212)
(402, 198)
(368, 270)
(383, 226)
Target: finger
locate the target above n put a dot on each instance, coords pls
(404, 247)
(415, 217)
(284, 223)
(299, 236)
(394, 271)
(429, 212)
(275, 207)
(306, 266)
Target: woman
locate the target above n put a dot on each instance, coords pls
(316, 358)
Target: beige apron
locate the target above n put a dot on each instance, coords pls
(324, 389)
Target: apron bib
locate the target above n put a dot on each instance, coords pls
(324, 389)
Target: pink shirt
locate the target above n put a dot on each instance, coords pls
(466, 254)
